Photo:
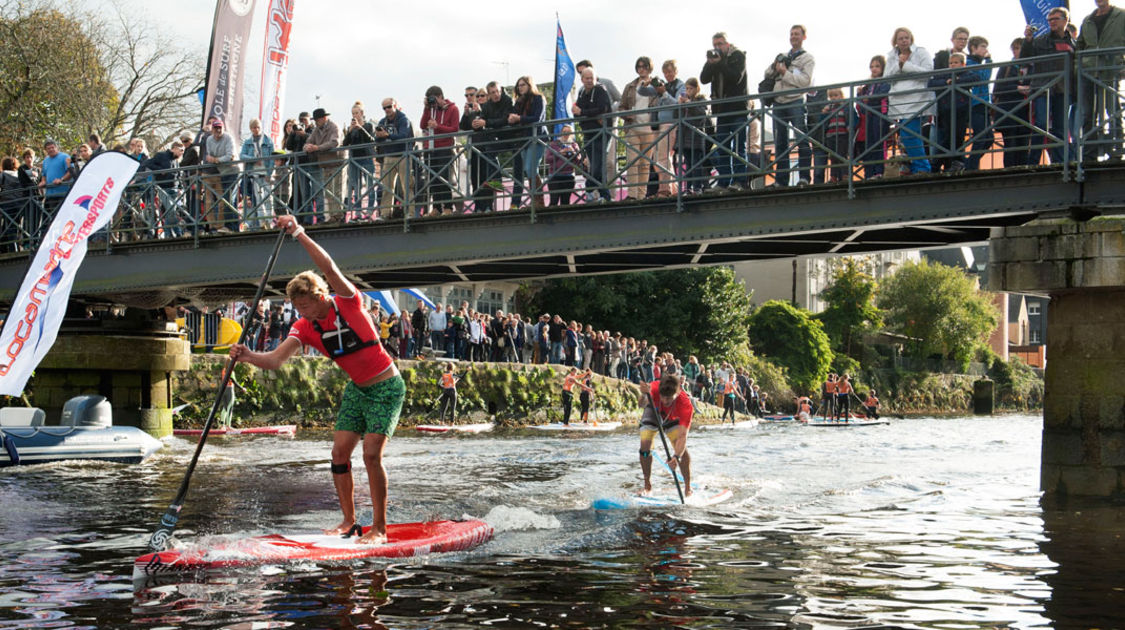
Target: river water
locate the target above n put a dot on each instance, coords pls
(926, 523)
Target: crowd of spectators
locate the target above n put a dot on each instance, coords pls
(658, 136)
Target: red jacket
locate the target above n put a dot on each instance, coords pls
(447, 119)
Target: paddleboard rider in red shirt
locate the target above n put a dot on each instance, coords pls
(339, 328)
(664, 403)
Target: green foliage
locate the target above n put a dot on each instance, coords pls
(52, 82)
(701, 311)
(791, 338)
(1017, 385)
(940, 308)
(851, 310)
(843, 364)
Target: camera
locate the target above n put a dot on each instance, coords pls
(656, 82)
(783, 58)
(381, 128)
(714, 53)
(431, 100)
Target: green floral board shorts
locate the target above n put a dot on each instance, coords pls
(372, 409)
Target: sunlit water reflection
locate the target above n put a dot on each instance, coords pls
(929, 523)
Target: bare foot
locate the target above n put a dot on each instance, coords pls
(339, 529)
(371, 538)
(648, 490)
(687, 491)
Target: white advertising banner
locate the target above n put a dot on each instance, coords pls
(40, 304)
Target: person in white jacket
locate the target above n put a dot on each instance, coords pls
(909, 101)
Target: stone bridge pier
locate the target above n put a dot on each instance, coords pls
(130, 365)
(1081, 265)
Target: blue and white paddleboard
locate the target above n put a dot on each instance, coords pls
(700, 497)
(577, 426)
(854, 422)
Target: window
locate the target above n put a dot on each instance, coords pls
(1033, 308)
(1036, 337)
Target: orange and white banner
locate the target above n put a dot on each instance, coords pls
(38, 308)
(275, 64)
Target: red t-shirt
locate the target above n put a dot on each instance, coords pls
(362, 365)
(681, 409)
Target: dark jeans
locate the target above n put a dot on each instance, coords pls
(1101, 115)
(593, 143)
(1048, 111)
(730, 152)
(983, 136)
(874, 141)
(561, 187)
(696, 168)
(790, 118)
(1016, 136)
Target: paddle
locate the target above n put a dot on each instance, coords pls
(163, 534)
(668, 452)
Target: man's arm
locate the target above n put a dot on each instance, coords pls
(266, 360)
(341, 285)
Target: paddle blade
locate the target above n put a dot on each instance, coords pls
(162, 537)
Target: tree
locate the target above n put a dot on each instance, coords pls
(940, 307)
(66, 73)
(701, 311)
(52, 81)
(851, 308)
(793, 339)
(157, 83)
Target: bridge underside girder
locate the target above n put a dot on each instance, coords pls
(883, 215)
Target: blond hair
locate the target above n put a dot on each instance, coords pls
(306, 284)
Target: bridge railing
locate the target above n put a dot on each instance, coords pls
(1060, 109)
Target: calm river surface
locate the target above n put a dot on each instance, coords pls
(925, 523)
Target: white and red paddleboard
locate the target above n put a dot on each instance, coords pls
(403, 539)
(446, 428)
(281, 429)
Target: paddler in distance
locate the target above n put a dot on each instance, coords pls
(665, 404)
(338, 327)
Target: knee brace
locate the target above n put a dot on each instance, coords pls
(645, 453)
(342, 469)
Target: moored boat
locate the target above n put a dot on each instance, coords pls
(86, 432)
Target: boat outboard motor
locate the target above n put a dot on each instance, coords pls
(90, 410)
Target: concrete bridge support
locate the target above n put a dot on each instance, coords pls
(1081, 265)
(132, 370)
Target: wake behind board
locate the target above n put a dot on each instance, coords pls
(855, 422)
(577, 426)
(281, 429)
(403, 540)
(700, 497)
(448, 428)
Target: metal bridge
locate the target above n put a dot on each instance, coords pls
(718, 226)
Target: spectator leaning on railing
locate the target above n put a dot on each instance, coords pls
(257, 198)
(1044, 87)
(164, 179)
(725, 70)
(440, 116)
(791, 71)
(1101, 111)
(909, 101)
(321, 145)
(393, 134)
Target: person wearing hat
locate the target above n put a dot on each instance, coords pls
(321, 145)
(220, 154)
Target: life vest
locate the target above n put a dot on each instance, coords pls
(447, 380)
(728, 388)
(568, 383)
(871, 402)
(343, 340)
(830, 387)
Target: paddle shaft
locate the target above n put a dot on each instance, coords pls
(163, 534)
(668, 452)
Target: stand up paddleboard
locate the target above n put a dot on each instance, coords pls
(403, 539)
(779, 418)
(741, 424)
(859, 422)
(447, 428)
(577, 426)
(282, 429)
(700, 497)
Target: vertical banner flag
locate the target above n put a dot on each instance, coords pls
(38, 308)
(275, 64)
(1035, 12)
(564, 76)
(226, 63)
